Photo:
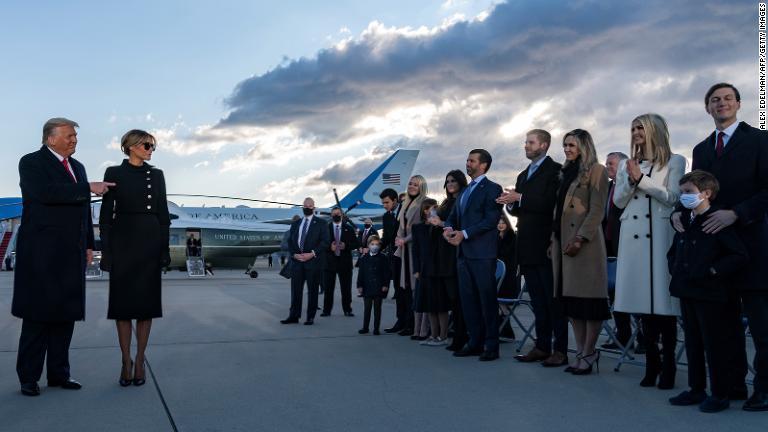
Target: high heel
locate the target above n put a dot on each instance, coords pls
(139, 381)
(588, 369)
(125, 382)
(571, 368)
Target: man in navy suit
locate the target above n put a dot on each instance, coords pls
(737, 154)
(55, 243)
(471, 227)
(308, 239)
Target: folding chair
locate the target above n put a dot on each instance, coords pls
(507, 308)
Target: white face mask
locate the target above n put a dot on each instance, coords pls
(374, 249)
(690, 201)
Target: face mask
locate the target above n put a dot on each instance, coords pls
(336, 218)
(690, 201)
(374, 249)
(308, 211)
(367, 226)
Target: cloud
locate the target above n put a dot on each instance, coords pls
(484, 81)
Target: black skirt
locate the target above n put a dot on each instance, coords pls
(590, 309)
(434, 296)
(135, 279)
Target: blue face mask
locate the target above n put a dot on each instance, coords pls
(374, 249)
(690, 201)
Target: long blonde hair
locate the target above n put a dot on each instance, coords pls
(423, 191)
(656, 139)
(587, 152)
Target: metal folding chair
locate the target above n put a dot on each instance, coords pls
(508, 307)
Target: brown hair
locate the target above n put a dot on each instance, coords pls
(703, 181)
(427, 203)
(542, 135)
(134, 137)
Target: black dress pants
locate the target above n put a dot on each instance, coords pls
(301, 274)
(345, 286)
(756, 309)
(707, 336)
(41, 338)
(374, 303)
(551, 323)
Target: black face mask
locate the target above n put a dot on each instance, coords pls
(367, 226)
(336, 218)
(308, 211)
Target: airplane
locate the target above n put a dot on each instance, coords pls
(232, 237)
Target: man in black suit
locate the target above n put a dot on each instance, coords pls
(307, 242)
(471, 227)
(339, 263)
(390, 224)
(362, 238)
(55, 243)
(737, 154)
(533, 203)
(611, 230)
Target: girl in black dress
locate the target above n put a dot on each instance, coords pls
(134, 225)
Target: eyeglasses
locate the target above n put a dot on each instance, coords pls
(149, 146)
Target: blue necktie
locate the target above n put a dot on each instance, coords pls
(468, 192)
(531, 169)
(304, 229)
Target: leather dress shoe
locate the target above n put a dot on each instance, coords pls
(489, 356)
(406, 332)
(758, 402)
(309, 322)
(30, 389)
(713, 405)
(533, 355)
(349, 314)
(557, 359)
(68, 384)
(467, 352)
(687, 398)
(393, 329)
(289, 321)
(325, 314)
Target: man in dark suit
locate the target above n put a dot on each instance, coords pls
(471, 227)
(307, 242)
(55, 243)
(533, 203)
(737, 154)
(362, 238)
(339, 263)
(390, 224)
(611, 230)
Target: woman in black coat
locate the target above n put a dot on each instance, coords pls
(134, 225)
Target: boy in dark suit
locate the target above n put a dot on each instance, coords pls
(700, 263)
(373, 283)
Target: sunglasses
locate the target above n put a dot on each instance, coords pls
(149, 146)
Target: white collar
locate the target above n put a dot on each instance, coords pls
(478, 179)
(58, 156)
(729, 130)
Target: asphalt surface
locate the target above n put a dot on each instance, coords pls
(221, 361)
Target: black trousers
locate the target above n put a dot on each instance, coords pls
(460, 335)
(547, 310)
(664, 328)
(706, 336)
(301, 274)
(756, 310)
(345, 285)
(41, 338)
(375, 304)
(403, 296)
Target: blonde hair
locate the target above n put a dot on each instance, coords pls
(423, 191)
(134, 137)
(656, 139)
(587, 152)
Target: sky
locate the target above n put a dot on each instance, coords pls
(282, 100)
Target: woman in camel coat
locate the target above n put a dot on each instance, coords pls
(409, 216)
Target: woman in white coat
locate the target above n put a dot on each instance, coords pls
(647, 189)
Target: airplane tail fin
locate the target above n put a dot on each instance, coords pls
(392, 173)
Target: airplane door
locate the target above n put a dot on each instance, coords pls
(194, 252)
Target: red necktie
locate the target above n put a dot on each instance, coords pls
(719, 147)
(65, 162)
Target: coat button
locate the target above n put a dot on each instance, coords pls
(637, 236)
(634, 217)
(147, 172)
(149, 186)
(148, 179)
(647, 236)
(149, 196)
(647, 196)
(571, 205)
(635, 196)
(149, 207)
(647, 215)
(573, 225)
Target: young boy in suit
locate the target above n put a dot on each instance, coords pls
(372, 283)
(700, 264)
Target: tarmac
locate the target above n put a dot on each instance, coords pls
(219, 360)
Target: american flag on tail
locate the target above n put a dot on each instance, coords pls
(393, 179)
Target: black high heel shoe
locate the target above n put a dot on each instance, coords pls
(571, 368)
(139, 381)
(125, 382)
(588, 369)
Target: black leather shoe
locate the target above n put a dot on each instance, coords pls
(468, 352)
(68, 384)
(363, 331)
(687, 398)
(289, 321)
(758, 402)
(325, 314)
(309, 322)
(393, 329)
(738, 393)
(489, 355)
(376, 332)
(406, 332)
(713, 405)
(349, 314)
(30, 389)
